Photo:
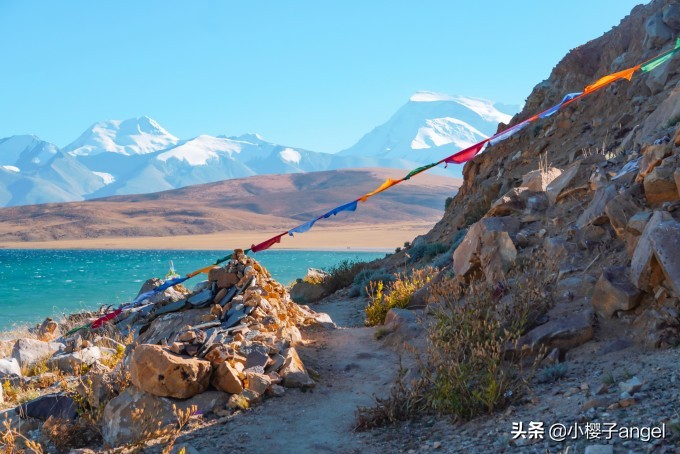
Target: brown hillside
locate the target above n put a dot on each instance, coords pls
(259, 203)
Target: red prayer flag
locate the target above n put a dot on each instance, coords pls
(108, 317)
(465, 155)
(267, 244)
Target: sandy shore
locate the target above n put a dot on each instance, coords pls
(376, 237)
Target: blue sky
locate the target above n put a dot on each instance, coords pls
(311, 74)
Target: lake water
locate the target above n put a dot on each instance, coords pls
(35, 284)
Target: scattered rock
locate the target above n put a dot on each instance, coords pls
(305, 293)
(615, 292)
(293, 371)
(563, 333)
(596, 213)
(226, 378)
(48, 330)
(29, 352)
(9, 367)
(631, 386)
(665, 241)
(74, 363)
(538, 180)
(126, 420)
(59, 406)
(645, 272)
(162, 373)
(660, 184)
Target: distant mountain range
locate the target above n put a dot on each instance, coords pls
(137, 156)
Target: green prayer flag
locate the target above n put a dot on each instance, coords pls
(661, 59)
(418, 170)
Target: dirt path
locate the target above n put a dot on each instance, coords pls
(352, 367)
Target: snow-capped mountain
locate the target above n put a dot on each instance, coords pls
(429, 127)
(135, 156)
(129, 137)
(25, 152)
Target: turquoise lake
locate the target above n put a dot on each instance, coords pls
(35, 284)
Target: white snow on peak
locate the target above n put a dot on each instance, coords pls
(443, 131)
(25, 148)
(290, 155)
(107, 178)
(140, 135)
(198, 151)
(484, 108)
(12, 168)
(430, 96)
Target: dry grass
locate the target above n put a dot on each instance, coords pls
(397, 293)
(13, 442)
(470, 366)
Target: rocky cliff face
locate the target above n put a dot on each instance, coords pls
(594, 188)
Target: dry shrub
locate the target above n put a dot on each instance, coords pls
(13, 442)
(472, 364)
(404, 402)
(397, 293)
(65, 435)
(469, 373)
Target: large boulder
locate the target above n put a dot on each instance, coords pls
(538, 180)
(226, 378)
(620, 210)
(562, 333)
(615, 292)
(9, 367)
(660, 183)
(665, 241)
(595, 212)
(305, 293)
(163, 373)
(487, 247)
(76, 362)
(135, 415)
(645, 272)
(29, 352)
(293, 372)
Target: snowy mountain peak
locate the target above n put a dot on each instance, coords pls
(134, 136)
(25, 151)
(430, 96)
(250, 138)
(429, 126)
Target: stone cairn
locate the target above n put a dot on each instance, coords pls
(227, 344)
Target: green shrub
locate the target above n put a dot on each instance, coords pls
(551, 374)
(368, 277)
(426, 251)
(342, 275)
(447, 202)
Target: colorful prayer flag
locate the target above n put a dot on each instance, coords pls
(387, 184)
(557, 107)
(419, 170)
(608, 79)
(267, 244)
(661, 59)
(465, 155)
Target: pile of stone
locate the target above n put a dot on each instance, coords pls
(227, 344)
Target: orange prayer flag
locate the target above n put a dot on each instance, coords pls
(387, 184)
(606, 80)
(202, 270)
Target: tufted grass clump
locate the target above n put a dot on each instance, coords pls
(398, 293)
